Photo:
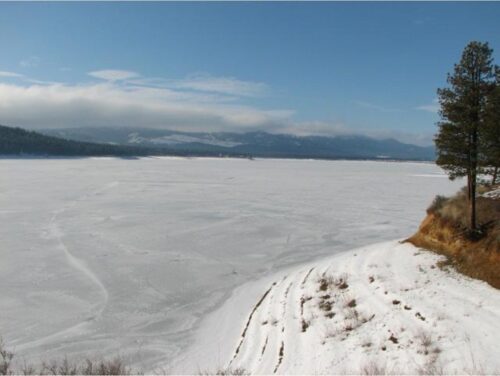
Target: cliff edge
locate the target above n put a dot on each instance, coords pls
(444, 231)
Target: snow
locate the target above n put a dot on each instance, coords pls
(182, 139)
(386, 308)
(495, 193)
(130, 257)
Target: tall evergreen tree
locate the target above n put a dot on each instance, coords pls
(491, 134)
(462, 118)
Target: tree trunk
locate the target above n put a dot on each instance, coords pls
(469, 188)
(495, 173)
(473, 202)
(473, 174)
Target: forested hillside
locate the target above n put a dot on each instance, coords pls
(17, 141)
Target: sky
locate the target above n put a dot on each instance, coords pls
(322, 68)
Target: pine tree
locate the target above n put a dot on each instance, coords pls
(491, 134)
(462, 118)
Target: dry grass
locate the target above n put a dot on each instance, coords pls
(225, 372)
(114, 366)
(374, 368)
(89, 367)
(444, 231)
(5, 360)
(351, 303)
(329, 282)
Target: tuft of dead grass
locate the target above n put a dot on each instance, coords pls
(330, 282)
(304, 325)
(225, 372)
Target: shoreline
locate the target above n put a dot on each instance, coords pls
(222, 319)
(232, 336)
(254, 159)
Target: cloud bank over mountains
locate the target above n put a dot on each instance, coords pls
(125, 98)
(198, 102)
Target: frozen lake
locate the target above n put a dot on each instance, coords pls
(125, 256)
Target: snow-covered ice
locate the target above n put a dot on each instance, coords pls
(127, 257)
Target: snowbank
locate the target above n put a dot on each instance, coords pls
(495, 193)
(385, 308)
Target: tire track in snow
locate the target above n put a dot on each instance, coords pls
(78, 264)
(54, 232)
(249, 321)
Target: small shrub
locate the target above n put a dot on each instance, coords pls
(105, 367)
(327, 282)
(341, 282)
(305, 325)
(436, 204)
(64, 367)
(351, 303)
(325, 305)
(324, 283)
(393, 339)
(5, 360)
(373, 368)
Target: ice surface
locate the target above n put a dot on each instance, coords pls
(121, 256)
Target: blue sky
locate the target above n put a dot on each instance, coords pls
(304, 68)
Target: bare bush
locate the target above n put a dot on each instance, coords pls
(373, 368)
(114, 366)
(425, 341)
(5, 360)
(436, 204)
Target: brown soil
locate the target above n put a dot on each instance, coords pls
(477, 259)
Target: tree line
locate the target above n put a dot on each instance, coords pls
(17, 141)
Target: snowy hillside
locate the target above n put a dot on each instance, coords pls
(385, 308)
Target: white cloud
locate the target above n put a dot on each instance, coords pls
(113, 74)
(10, 74)
(433, 107)
(329, 129)
(30, 62)
(113, 104)
(376, 107)
(222, 85)
(314, 128)
(124, 98)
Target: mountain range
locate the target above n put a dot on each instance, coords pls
(254, 144)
